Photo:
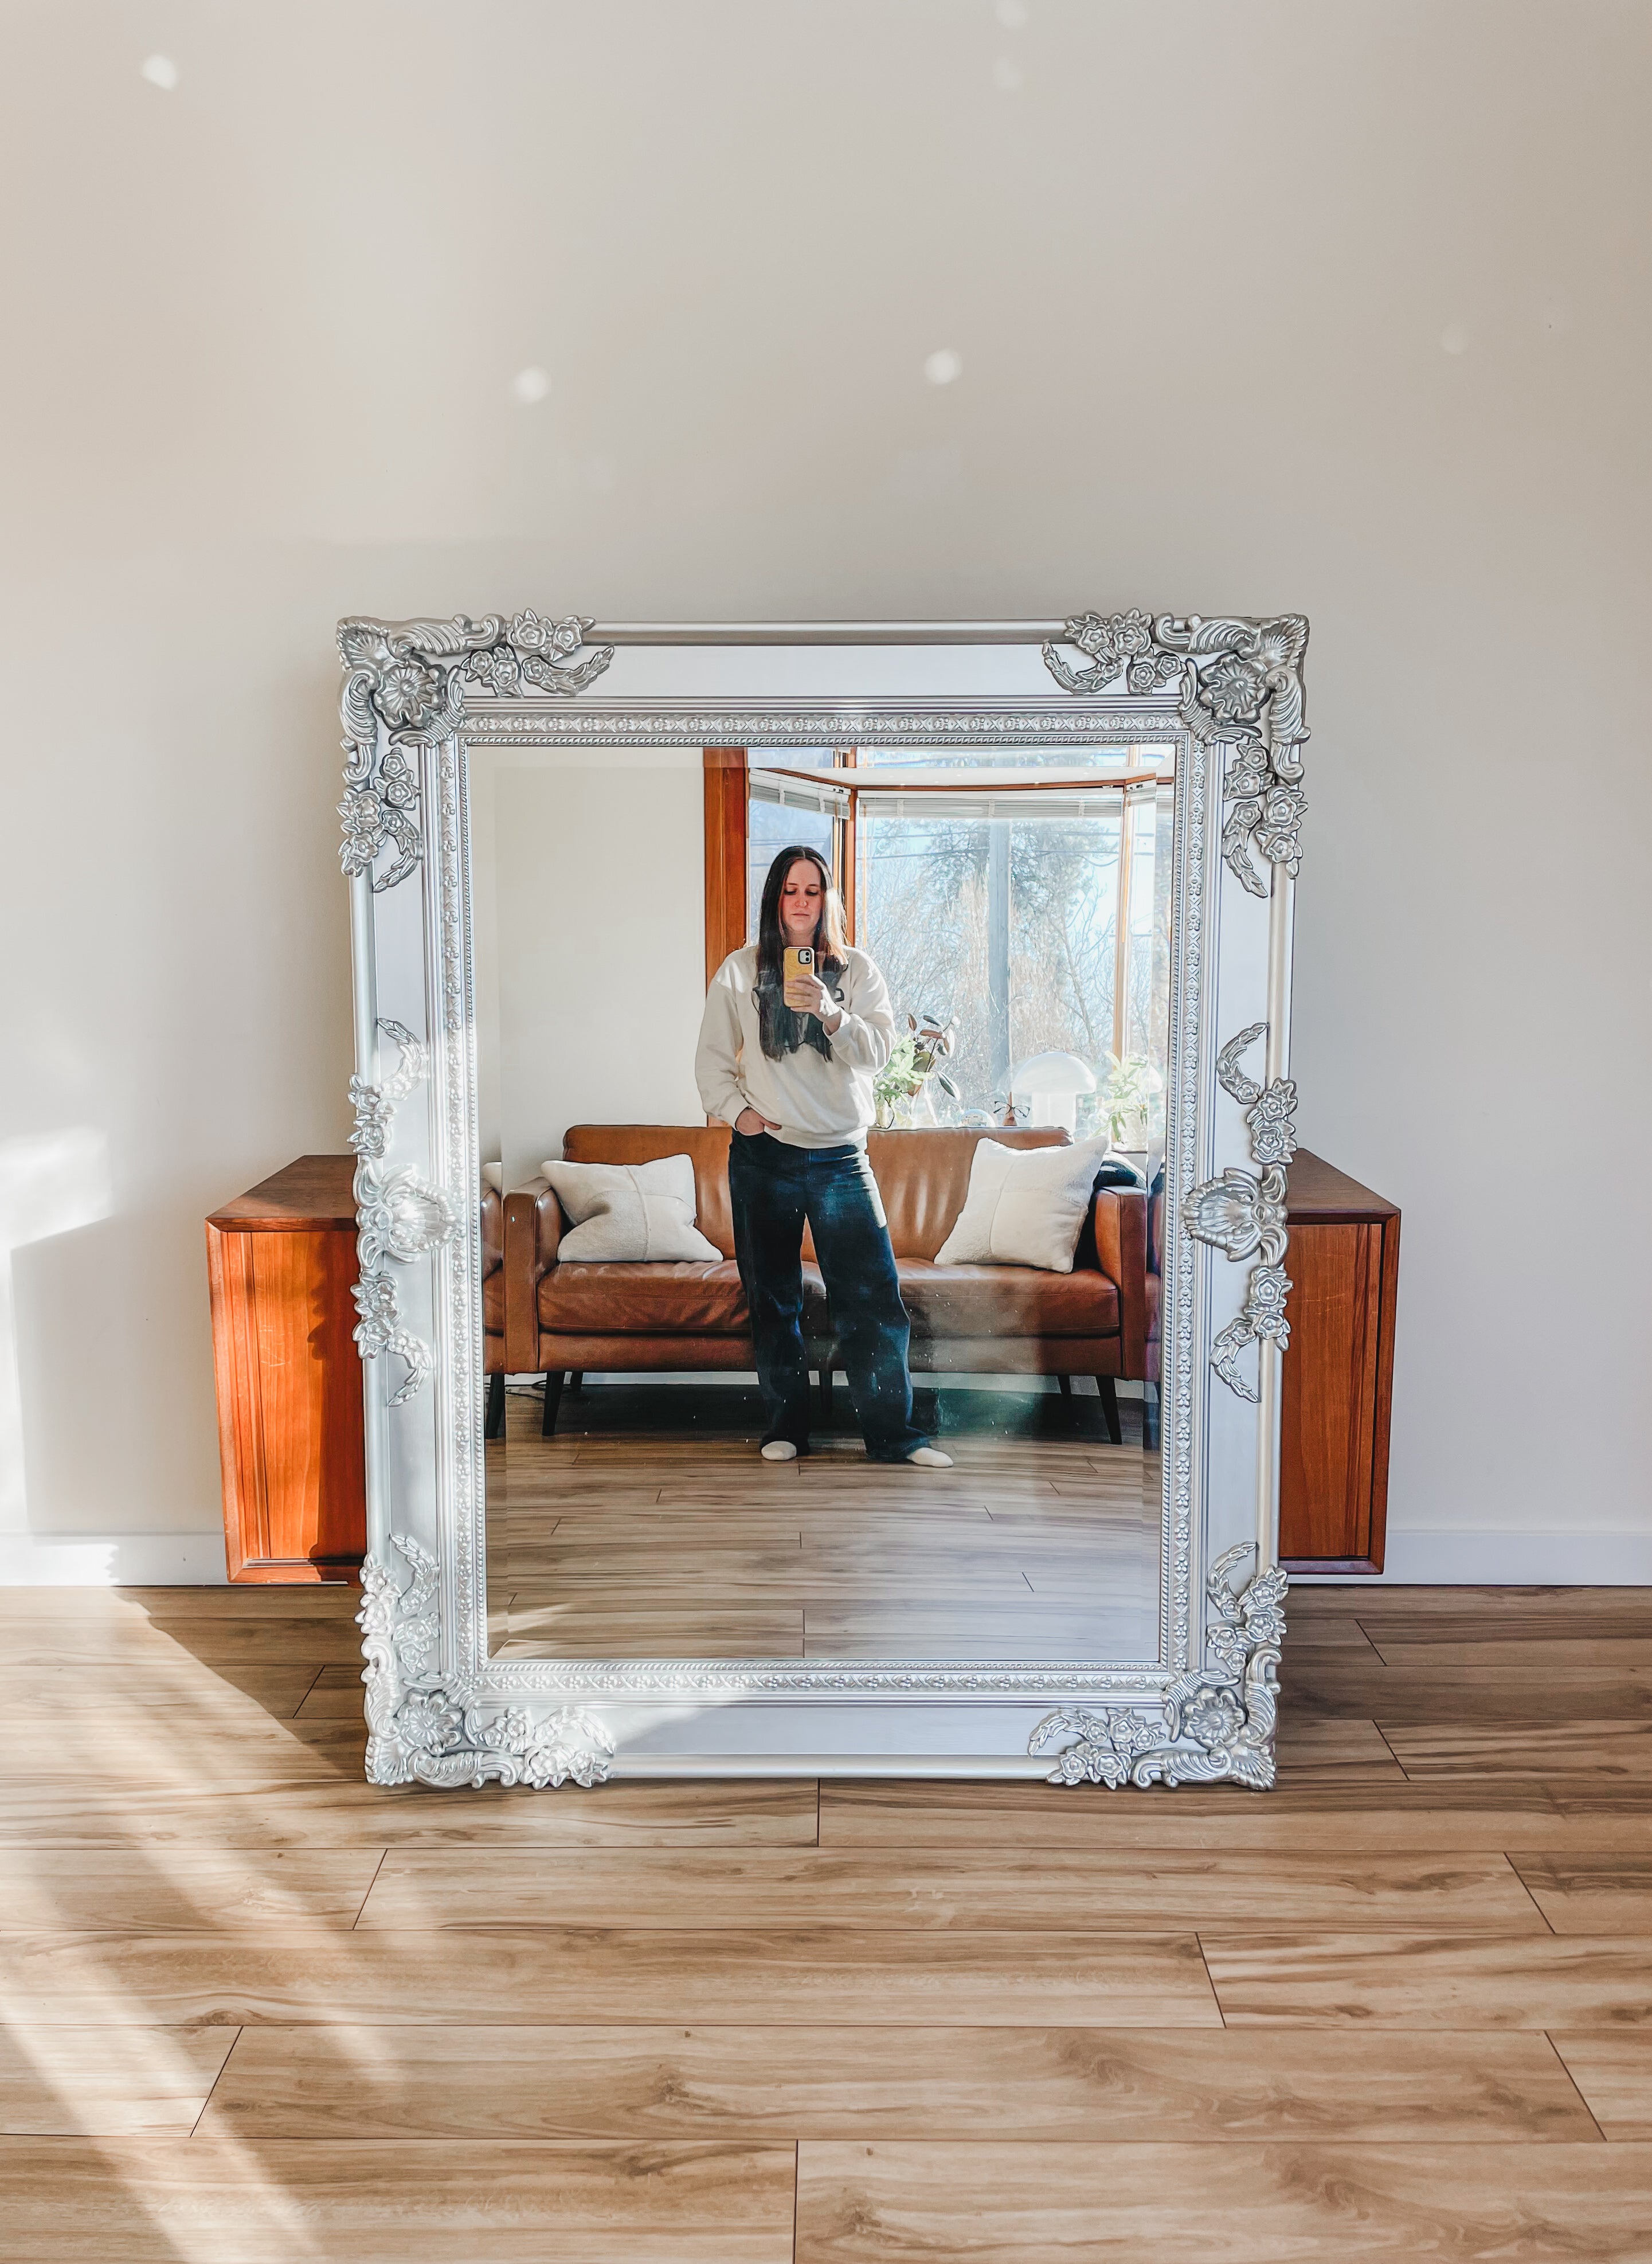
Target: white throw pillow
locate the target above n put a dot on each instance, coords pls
(629, 1211)
(1026, 1206)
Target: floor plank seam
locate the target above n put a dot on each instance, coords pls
(1572, 2079)
(1536, 1905)
(1210, 1980)
(384, 1854)
(1383, 1734)
(212, 2088)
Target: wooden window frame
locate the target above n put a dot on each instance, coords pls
(727, 772)
(726, 834)
(728, 848)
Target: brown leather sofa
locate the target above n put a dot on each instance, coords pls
(1156, 1314)
(966, 1319)
(493, 1360)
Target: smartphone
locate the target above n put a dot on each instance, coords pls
(796, 962)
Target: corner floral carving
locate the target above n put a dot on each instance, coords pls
(404, 693)
(1241, 690)
(1118, 645)
(400, 696)
(538, 656)
(379, 808)
(1215, 1723)
(398, 1215)
(422, 1731)
(1108, 1745)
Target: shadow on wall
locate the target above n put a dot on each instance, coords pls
(51, 1184)
(68, 1264)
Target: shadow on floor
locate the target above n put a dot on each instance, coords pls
(734, 1410)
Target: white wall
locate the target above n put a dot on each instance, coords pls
(599, 967)
(1274, 305)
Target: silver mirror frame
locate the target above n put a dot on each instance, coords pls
(418, 696)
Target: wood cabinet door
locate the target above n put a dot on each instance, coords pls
(289, 1404)
(1329, 1415)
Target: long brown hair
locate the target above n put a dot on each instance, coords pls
(779, 1030)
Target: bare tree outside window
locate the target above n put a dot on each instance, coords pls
(928, 920)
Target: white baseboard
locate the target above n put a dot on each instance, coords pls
(1472, 1558)
(113, 1560)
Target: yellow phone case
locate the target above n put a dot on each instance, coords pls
(797, 960)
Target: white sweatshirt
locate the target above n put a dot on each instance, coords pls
(816, 1103)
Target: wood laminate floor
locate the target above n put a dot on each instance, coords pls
(650, 1526)
(256, 2012)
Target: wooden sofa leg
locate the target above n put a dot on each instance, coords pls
(494, 1427)
(825, 1399)
(1109, 1409)
(553, 1401)
(1150, 1417)
(1065, 1383)
(576, 1382)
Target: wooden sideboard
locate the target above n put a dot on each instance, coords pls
(282, 1263)
(1344, 1266)
(281, 1260)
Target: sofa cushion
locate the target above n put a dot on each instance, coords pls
(493, 1302)
(705, 1144)
(1006, 1301)
(1024, 1209)
(626, 1212)
(620, 1296)
(618, 1299)
(924, 1176)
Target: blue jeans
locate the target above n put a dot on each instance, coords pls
(773, 1188)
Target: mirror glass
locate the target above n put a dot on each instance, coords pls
(1016, 904)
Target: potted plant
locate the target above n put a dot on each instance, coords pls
(901, 1088)
(1132, 1083)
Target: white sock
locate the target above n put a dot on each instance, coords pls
(930, 1458)
(780, 1450)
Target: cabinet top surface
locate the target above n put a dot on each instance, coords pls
(311, 1192)
(1320, 1193)
(315, 1191)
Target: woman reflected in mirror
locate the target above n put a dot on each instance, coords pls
(796, 1027)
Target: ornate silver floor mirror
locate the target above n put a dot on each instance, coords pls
(1200, 720)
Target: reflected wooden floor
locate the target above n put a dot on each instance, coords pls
(624, 1537)
(256, 2011)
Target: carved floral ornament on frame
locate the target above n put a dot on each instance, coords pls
(1239, 687)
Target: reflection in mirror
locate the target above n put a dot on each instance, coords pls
(1015, 906)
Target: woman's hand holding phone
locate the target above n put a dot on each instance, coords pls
(806, 994)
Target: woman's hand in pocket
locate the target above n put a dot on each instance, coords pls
(750, 1123)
